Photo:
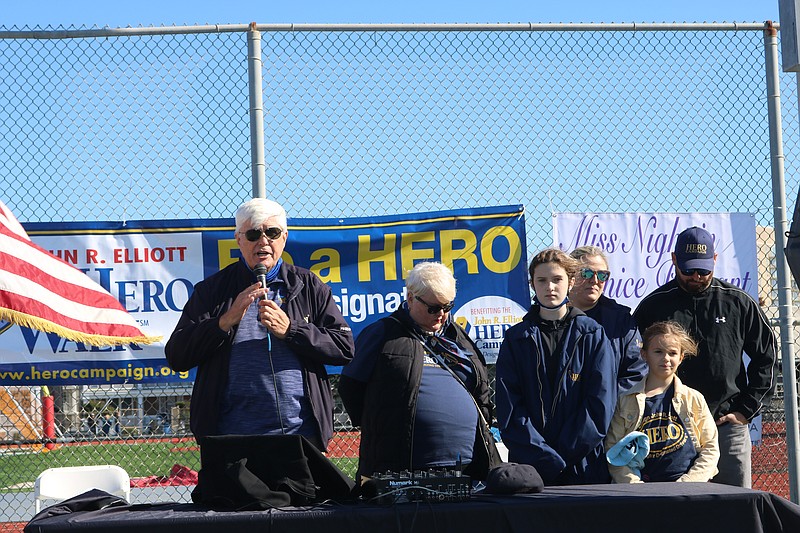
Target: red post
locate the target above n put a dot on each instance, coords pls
(48, 421)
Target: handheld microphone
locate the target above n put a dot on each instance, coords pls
(261, 275)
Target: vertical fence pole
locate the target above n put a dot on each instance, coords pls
(785, 308)
(48, 421)
(254, 68)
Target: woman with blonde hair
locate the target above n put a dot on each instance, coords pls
(587, 294)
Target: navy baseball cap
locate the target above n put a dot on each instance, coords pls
(694, 248)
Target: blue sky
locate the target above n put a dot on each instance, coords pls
(390, 133)
(179, 12)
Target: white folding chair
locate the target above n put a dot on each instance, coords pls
(62, 483)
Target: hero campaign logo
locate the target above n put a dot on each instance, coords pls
(486, 319)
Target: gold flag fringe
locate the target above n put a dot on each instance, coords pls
(34, 322)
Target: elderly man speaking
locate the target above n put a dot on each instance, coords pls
(261, 352)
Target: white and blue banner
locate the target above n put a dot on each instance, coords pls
(152, 266)
(639, 247)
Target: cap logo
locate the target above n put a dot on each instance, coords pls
(696, 248)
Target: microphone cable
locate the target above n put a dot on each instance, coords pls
(261, 275)
(275, 382)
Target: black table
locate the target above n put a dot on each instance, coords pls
(651, 507)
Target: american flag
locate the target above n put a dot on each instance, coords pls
(40, 291)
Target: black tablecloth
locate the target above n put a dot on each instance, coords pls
(651, 507)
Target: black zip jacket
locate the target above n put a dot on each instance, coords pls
(318, 335)
(385, 406)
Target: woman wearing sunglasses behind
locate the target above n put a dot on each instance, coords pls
(556, 381)
(418, 386)
(616, 319)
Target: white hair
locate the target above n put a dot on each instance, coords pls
(432, 278)
(257, 211)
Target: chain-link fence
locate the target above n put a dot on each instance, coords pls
(155, 125)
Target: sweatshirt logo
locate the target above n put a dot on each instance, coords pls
(719, 319)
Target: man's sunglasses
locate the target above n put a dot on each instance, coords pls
(702, 272)
(272, 233)
(602, 275)
(435, 309)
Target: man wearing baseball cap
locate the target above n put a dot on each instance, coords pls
(726, 322)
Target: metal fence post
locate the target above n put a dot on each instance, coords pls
(785, 308)
(254, 68)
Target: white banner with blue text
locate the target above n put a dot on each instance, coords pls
(639, 247)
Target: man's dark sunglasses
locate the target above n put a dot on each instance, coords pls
(272, 233)
(702, 272)
(435, 309)
(602, 275)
